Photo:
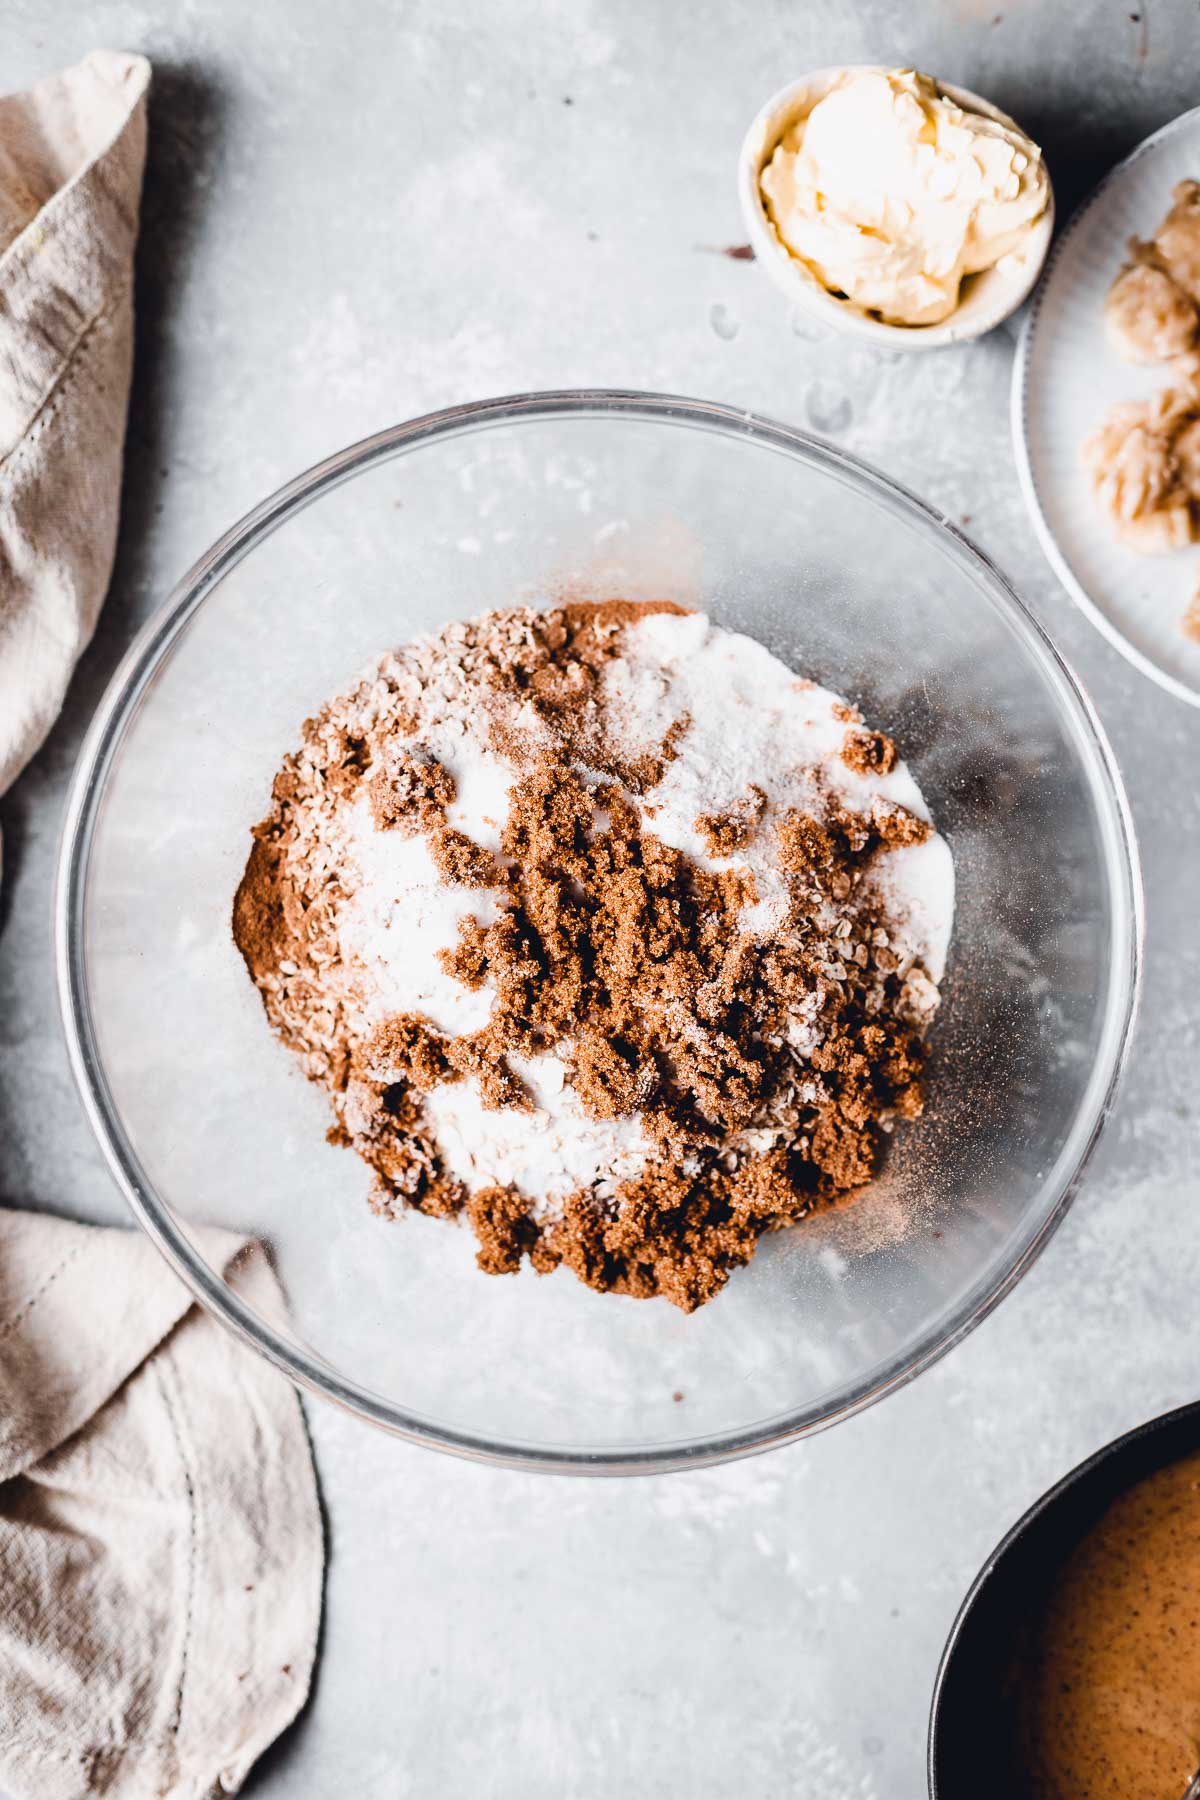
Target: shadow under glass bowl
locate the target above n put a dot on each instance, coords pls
(206, 1120)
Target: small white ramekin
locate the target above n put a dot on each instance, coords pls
(987, 298)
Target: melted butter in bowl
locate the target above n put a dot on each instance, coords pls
(1073, 1669)
(1111, 1700)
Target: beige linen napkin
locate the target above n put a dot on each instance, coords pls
(71, 155)
(160, 1538)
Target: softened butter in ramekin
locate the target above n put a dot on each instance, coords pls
(891, 193)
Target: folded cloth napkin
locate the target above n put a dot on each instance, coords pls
(160, 1538)
(71, 156)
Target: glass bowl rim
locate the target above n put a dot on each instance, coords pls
(121, 702)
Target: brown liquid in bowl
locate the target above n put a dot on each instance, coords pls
(1111, 1704)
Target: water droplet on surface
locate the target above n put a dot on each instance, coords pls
(723, 322)
(806, 327)
(827, 408)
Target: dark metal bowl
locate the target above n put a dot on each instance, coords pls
(973, 1742)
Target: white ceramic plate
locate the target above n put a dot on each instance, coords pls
(1066, 378)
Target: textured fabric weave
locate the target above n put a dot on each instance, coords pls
(71, 156)
(160, 1536)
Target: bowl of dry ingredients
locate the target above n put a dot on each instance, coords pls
(630, 908)
(1076, 1656)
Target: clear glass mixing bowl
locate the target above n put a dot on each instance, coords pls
(206, 1120)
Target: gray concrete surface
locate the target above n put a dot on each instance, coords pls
(354, 214)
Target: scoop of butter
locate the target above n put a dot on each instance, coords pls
(891, 193)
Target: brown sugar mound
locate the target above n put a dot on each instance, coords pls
(500, 1220)
(622, 949)
(869, 752)
(407, 1049)
(897, 828)
(409, 790)
(558, 674)
(726, 833)
(842, 842)
(606, 945)
(459, 859)
(676, 1236)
